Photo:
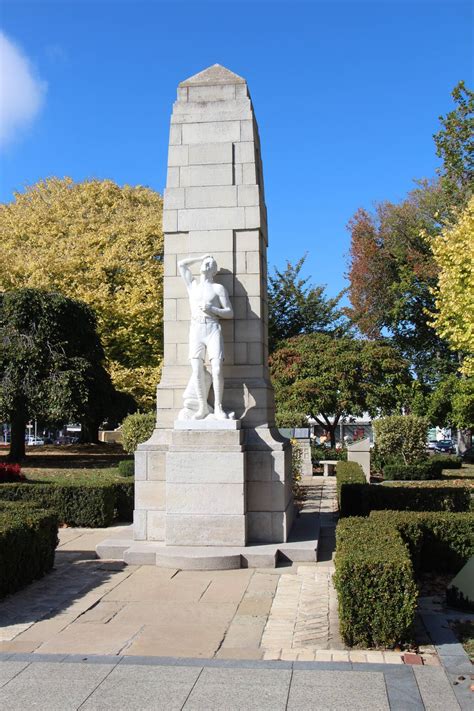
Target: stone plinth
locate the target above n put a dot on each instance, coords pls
(360, 452)
(212, 483)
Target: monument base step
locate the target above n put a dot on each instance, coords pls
(301, 548)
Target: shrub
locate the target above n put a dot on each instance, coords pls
(401, 436)
(124, 499)
(374, 580)
(28, 539)
(10, 473)
(351, 490)
(376, 559)
(446, 461)
(126, 467)
(299, 492)
(411, 472)
(137, 428)
(77, 504)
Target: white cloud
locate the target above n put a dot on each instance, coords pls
(21, 92)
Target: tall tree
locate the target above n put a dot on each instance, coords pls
(50, 363)
(455, 146)
(295, 306)
(97, 242)
(328, 378)
(453, 315)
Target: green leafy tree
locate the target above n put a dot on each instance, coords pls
(455, 146)
(137, 428)
(329, 378)
(97, 242)
(401, 437)
(50, 363)
(296, 307)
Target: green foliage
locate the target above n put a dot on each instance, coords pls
(126, 467)
(455, 146)
(377, 594)
(137, 428)
(411, 472)
(299, 492)
(295, 307)
(319, 453)
(347, 475)
(28, 539)
(50, 362)
(376, 561)
(446, 461)
(124, 499)
(402, 435)
(77, 504)
(329, 378)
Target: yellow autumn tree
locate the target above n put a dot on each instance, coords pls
(453, 251)
(100, 243)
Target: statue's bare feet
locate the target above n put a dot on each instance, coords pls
(200, 414)
(219, 413)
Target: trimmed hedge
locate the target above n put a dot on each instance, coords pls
(377, 594)
(357, 498)
(413, 472)
(349, 478)
(28, 539)
(126, 467)
(446, 461)
(124, 500)
(376, 561)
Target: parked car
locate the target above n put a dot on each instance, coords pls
(445, 446)
(468, 456)
(34, 441)
(431, 444)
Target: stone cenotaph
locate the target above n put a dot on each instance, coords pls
(213, 484)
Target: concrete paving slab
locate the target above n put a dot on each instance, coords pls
(42, 687)
(8, 670)
(237, 689)
(170, 612)
(179, 640)
(143, 687)
(337, 691)
(94, 638)
(402, 690)
(435, 688)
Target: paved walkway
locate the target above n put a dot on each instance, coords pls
(270, 637)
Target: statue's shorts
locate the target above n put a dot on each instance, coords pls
(206, 335)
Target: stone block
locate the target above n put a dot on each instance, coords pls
(202, 467)
(212, 499)
(178, 156)
(249, 195)
(177, 243)
(253, 262)
(156, 525)
(217, 218)
(240, 307)
(139, 525)
(156, 465)
(182, 93)
(176, 331)
(247, 241)
(219, 92)
(211, 196)
(219, 530)
(241, 90)
(173, 198)
(228, 281)
(249, 331)
(259, 527)
(169, 353)
(247, 285)
(255, 307)
(169, 265)
(249, 174)
(259, 466)
(238, 174)
(247, 131)
(140, 466)
(240, 353)
(174, 287)
(169, 310)
(212, 132)
(211, 153)
(212, 241)
(266, 496)
(206, 435)
(253, 218)
(170, 220)
(197, 175)
(172, 177)
(175, 135)
(244, 152)
(255, 353)
(149, 495)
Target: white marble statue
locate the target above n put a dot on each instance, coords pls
(209, 302)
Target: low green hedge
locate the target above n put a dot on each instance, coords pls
(446, 461)
(124, 500)
(28, 539)
(432, 468)
(126, 467)
(357, 498)
(375, 584)
(376, 562)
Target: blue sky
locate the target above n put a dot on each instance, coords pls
(347, 96)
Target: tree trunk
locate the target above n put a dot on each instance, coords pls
(332, 435)
(17, 444)
(89, 432)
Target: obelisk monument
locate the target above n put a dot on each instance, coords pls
(223, 477)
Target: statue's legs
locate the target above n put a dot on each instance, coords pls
(197, 366)
(218, 385)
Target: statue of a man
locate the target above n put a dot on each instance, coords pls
(209, 303)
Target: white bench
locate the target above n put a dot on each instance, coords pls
(328, 466)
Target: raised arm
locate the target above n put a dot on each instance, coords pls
(183, 266)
